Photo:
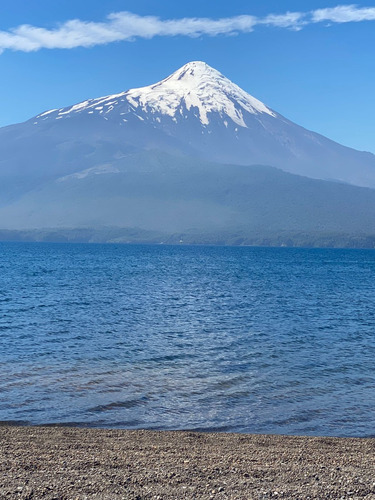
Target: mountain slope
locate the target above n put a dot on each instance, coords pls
(159, 192)
(196, 111)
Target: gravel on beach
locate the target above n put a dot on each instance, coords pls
(75, 463)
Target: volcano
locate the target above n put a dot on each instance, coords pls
(193, 152)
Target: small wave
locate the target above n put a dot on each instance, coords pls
(132, 403)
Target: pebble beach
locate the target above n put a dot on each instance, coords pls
(64, 463)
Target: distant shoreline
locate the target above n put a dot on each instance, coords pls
(240, 238)
(67, 462)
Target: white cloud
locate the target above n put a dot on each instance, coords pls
(121, 26)
(125, 26)
(291, 20)
(344, 14)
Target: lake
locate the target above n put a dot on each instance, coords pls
(257, 340)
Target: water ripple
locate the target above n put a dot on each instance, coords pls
(240, 339)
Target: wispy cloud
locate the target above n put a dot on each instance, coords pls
(290, 20)
(344, 14)
(125, 26)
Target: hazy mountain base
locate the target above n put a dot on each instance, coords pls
(113, 235)
(165, 195)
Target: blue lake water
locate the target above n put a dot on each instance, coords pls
(257, 340)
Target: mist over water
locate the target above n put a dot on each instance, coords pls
(210, 338)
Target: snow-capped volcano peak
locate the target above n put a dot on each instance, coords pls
(197, 112)
(196, 89)
(193, 74)
(194, 70)
(198, 85)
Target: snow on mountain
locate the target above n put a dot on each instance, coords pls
(199, 86)
(195, 85)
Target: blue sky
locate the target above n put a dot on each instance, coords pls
(311, 61)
